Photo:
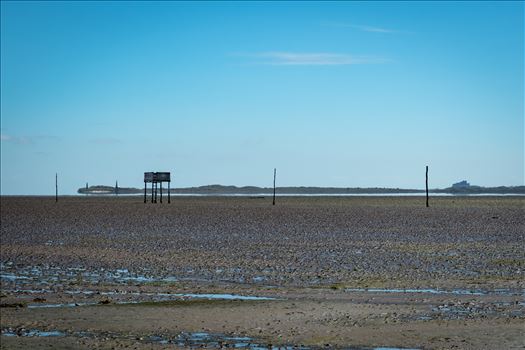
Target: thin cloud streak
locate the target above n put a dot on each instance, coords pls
(280, 58)
(374, 29)
(363, 28)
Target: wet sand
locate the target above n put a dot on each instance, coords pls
(345, 272)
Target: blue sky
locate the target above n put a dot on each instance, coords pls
(350, 94)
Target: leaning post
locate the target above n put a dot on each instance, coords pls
(56, 187)
(274, 174)
(426, 183)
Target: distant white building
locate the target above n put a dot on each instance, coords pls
(461, 185)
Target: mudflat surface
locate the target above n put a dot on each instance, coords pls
(343, 272)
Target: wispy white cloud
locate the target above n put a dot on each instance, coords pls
(374, 29)
(15, 139)
(281, 58)
(27, 140)
(363, 28)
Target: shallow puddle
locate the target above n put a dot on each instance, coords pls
(53, 275)
(32, 333)
(153, 297)
(175, 295)
(216, 340)
(224, 296)
(48, 306)
(186, 339)
(45, 275)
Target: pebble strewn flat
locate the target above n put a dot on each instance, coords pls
(304, 241)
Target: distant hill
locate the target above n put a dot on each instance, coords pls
(253, 190)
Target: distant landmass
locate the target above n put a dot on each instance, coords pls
(101, 189)
(254, 190)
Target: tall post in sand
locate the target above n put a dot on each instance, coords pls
(161, 191)
(426, 183)
(116, 187)
(169, 199)
(274, 174)
(56, 187)
(144, 191)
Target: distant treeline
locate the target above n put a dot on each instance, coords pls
(252, 190)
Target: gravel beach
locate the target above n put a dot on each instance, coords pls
(338, 272)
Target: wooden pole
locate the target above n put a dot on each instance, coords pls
(144, 191)
(116, 187)
(274, 175)
(161, 191)
(152, 192)
(426, 183)
(56, 187)
(169, 200)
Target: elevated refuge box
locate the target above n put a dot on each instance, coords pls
(156, 178)
(162, 177)
(149, 177)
